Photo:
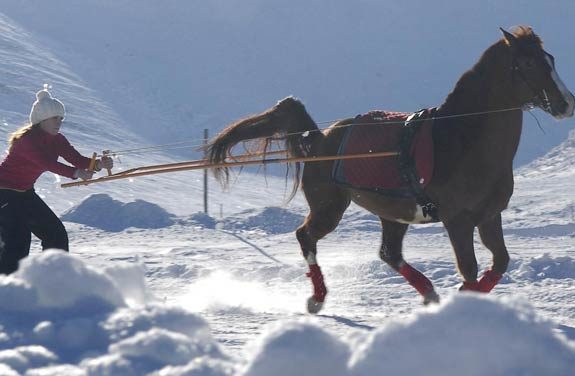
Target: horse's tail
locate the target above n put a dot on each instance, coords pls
(288, 120)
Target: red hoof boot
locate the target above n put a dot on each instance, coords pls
(469, 286)
(489, 280)
(485, 284)
(319, 289)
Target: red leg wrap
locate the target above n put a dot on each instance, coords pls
(469, 286)
(319, 289)
(416, 279)
(489, 280)
(485, 284)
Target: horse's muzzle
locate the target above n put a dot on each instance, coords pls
(562, 108)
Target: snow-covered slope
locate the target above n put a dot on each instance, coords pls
(26, 63)
(93, 124)
(544, 199)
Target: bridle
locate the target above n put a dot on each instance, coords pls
(540, 98)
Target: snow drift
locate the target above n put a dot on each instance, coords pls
(103, 212)
(101, 326)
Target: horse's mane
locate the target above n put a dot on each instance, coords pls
(476, 76)
(526, 36)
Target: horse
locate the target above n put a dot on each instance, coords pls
(475, 135)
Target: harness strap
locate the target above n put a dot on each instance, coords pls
(407, 168)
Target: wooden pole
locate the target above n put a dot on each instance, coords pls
(199, 165)
(202, 162)
(205, 175)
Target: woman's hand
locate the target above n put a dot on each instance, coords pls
(83, 174)
(106, 162)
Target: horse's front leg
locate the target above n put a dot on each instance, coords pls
(460, 230)
(391, 252)
(491, 233)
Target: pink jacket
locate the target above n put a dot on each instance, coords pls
(35, 153)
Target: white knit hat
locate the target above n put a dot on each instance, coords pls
(46, 107)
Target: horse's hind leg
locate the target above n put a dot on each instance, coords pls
(327, 205)
(491, 233)
(391, 252)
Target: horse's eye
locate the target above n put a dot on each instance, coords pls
(528, 63)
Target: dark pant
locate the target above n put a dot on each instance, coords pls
(23, 214)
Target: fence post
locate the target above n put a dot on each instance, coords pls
(205, 175)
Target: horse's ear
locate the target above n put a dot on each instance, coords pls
(509, 38)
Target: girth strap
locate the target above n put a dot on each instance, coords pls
(407, 167)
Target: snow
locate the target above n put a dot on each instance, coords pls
(477, 335)
(102, 211)
(93, 326)
(154, 286)
(58, 309)
(299, 348)
(271, 220)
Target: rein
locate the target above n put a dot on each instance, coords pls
(197, 145)
(248, 158)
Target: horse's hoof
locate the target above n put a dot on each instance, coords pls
(313, 306)
(430, 297)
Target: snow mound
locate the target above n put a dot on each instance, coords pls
(56, 311)
(203, 220)
(272, 220)
(53, 272)
(296, 348)
(103, 212)
(543, 267)
(468, 335)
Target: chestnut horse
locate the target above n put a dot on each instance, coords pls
(475, 136)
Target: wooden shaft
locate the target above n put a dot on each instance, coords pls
(264, 154)
(200, 165)
(202, 162)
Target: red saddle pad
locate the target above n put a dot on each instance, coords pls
(379, 131)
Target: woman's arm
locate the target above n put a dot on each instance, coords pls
(67, 151)
(28, 151)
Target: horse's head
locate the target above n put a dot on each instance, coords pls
(535, 79)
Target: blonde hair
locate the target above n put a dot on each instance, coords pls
(19, 133)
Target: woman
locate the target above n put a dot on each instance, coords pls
(34, 149)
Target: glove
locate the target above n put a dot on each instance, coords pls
(105, 162)
(83, 174)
